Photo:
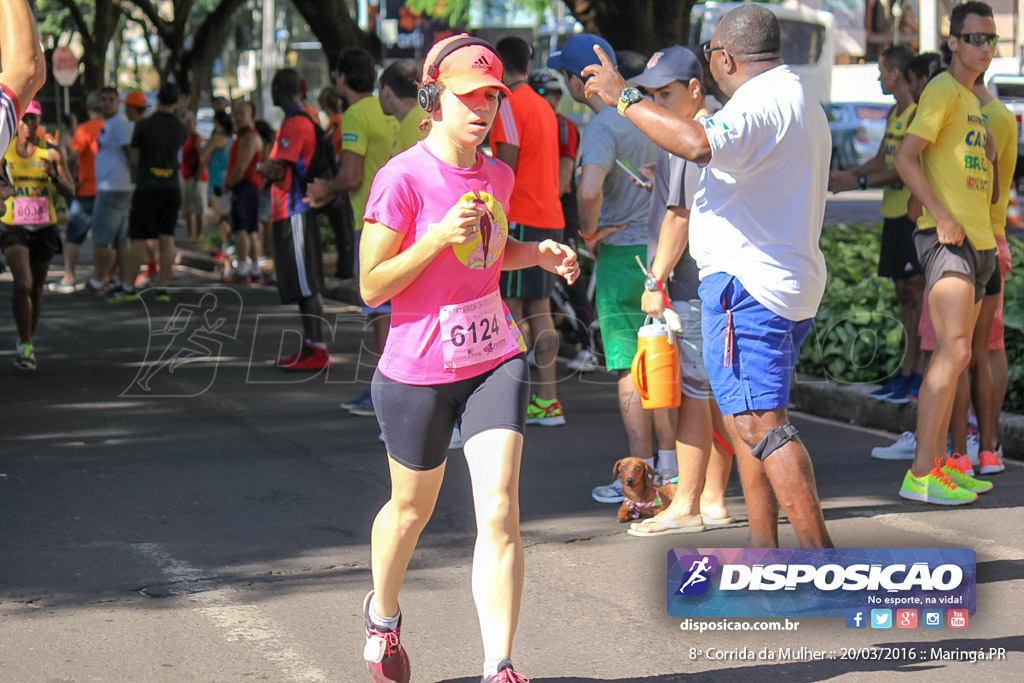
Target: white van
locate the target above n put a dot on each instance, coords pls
(808, 46)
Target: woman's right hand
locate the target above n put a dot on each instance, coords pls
(460, 224)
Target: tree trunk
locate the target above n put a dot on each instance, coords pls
(334, 27)
(196, 65)
(95, 38)
(644, 26)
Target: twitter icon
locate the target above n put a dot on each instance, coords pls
(881, 618)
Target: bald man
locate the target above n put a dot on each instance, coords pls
(754, 230)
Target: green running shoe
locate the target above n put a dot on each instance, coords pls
(966, 481)
(936, 487)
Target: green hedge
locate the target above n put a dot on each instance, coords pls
(858, 335)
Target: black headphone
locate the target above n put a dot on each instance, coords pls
(428, 95)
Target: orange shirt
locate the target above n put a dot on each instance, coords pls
(251, 174)
(84, 142)
(525, 120)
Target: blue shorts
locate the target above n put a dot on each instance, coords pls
(79, 219)
(756, 372)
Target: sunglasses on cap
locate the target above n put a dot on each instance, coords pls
(979, 39)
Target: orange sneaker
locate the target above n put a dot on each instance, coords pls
(990, 463)
(962, 463)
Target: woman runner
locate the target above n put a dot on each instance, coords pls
(29, 237)
(434, 242)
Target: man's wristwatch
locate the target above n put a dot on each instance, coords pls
(862, 180)
(651, 284)
(627, 97)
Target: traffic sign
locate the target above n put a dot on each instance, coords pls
(65, 66)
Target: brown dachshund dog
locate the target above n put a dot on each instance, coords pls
(643, 498)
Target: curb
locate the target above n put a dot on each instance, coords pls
(334, 289)
(851, 404)
(812, 395)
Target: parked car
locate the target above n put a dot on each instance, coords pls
(857, 130)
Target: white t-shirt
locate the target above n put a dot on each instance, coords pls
(8, 118)
(112, 172)
(760, 203)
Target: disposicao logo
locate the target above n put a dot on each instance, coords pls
(830, 582)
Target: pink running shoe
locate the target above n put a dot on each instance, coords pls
(990, 463)
(385, 657)
(506, 675)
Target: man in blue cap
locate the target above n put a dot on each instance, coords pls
(754, 233)
(673, 79)
(613, 222)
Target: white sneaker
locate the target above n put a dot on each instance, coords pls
(973, 448)
(585, 361)
(904, 449)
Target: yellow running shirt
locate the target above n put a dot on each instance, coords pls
(409, 129)
(31, 205)
(895, 196)
(1004, 127)
(370, 133)
(949, 118)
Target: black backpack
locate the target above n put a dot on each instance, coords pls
(324, 163)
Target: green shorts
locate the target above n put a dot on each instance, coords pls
(620, 286)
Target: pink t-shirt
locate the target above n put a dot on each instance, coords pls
(413, 191)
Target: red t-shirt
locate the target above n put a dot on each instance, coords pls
(190, 158)
(525, 120)
(84, 142)
(250, 174)
(568, 137)
(296, 140)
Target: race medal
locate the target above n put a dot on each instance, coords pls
(477, 331)
(31, 210)
(488, 244)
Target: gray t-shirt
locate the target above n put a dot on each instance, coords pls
(675, 181)
(610, 136)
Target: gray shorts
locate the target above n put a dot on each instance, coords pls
(110, 218)
(691, 351)
(937, 259)
(193, 196)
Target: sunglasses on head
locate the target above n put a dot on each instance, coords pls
(979, 39)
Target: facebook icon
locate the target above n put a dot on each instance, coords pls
(856, 618)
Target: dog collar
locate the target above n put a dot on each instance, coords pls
(636, 508)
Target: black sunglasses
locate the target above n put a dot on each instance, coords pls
(979, 39)
(708, 49)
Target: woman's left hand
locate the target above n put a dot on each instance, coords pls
(558, 259)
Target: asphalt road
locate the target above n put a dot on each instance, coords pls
(211, 523)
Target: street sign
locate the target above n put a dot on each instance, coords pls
(65, 66)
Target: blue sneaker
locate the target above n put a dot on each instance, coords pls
(888, 389)
(612, 493)
(364, 407)
(907, 390)
(352, 402)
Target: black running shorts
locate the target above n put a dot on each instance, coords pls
(298, 257)
(417, 421)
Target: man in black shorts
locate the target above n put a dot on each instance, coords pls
(298, 256)
(153, 155)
